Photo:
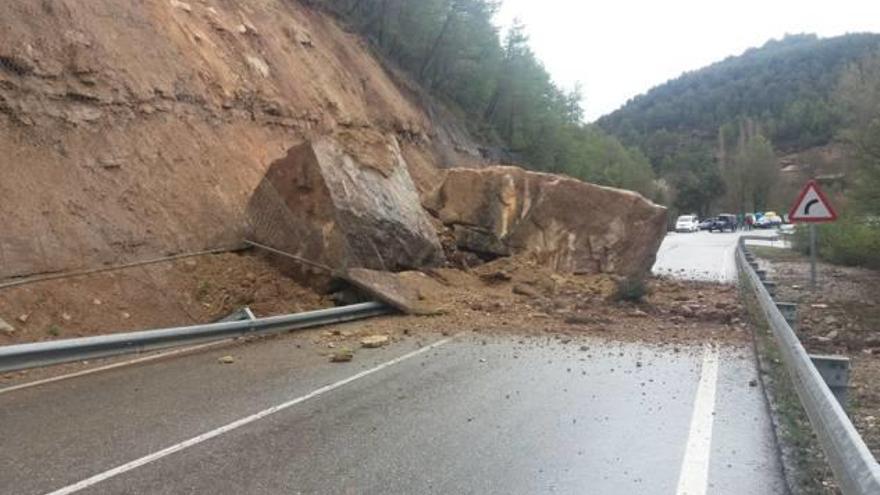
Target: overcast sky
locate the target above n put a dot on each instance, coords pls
(620, 48)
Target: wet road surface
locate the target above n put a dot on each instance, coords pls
(475, 415)
(701, 256)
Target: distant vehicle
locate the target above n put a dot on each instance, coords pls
(724, 222)
(707, 224)
(687, 223)
(769, 220)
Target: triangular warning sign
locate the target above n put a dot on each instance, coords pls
(812, 206)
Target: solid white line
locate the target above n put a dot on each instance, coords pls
(98, 478)
(694, 477)
(145, 359)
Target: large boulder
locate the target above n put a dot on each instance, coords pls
(563, 223)
(343, 202)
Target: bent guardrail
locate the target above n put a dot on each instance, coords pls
(854, 467)
(24, 356)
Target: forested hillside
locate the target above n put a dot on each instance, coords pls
(786, 85)
(714, 134)
(453, 49)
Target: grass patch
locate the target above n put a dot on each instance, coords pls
(776, 254)
(54, 330)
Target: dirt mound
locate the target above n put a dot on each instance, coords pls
(135, 129)
(183, 292)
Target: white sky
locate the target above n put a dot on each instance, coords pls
(621, 48)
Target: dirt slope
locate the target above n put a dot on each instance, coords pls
(133, 129)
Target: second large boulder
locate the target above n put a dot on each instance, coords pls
(563, 223)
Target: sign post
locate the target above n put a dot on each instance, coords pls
(812, 207)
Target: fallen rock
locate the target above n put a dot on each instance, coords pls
(6, 328)
(375, 341)
(344, 202)
(525, 290)
(342, 356)
(409, 292)
(563, 223)
(227, 360)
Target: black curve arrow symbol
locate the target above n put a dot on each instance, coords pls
(810, 205)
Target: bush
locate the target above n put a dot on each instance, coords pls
(631, 289)
(849, 242)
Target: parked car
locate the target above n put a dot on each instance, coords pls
(687, 223)
(769, 220)
(724, 222)
(707, 224)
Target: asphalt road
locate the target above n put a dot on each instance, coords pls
(701, 255)
(444, 415)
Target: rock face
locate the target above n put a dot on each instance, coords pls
(322, 204)
(563, 223)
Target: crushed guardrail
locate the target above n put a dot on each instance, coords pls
(853, 465)
(24, 356)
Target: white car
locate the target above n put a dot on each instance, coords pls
(687, 223)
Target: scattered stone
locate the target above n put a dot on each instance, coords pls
(342, 356)
(6, 328)
(97, 302)
(258, 65)
(66, 316)
(819, 306)
(832, 335)
(227, 360)
(24, 317)
(182, 6)
(525, 290)
(375, 341)
(125, 315)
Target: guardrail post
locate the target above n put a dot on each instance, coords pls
(789, 312)
(762, 274)
(835, 372)
(771, 287)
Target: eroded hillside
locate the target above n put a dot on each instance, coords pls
(134, 129)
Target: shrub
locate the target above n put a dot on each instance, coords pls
(849, 242)
(631, 289)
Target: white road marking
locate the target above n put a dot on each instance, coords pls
(130, 362)
(694, 477)
(98, 478)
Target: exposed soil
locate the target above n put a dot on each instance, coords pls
(841, 317)
(114, 153)
(183, 292)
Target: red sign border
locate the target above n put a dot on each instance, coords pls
(792, 215)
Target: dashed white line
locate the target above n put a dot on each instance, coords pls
(98, 478)
(694, 477)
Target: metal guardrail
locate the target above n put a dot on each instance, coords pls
(24, 356)
(854, 467)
